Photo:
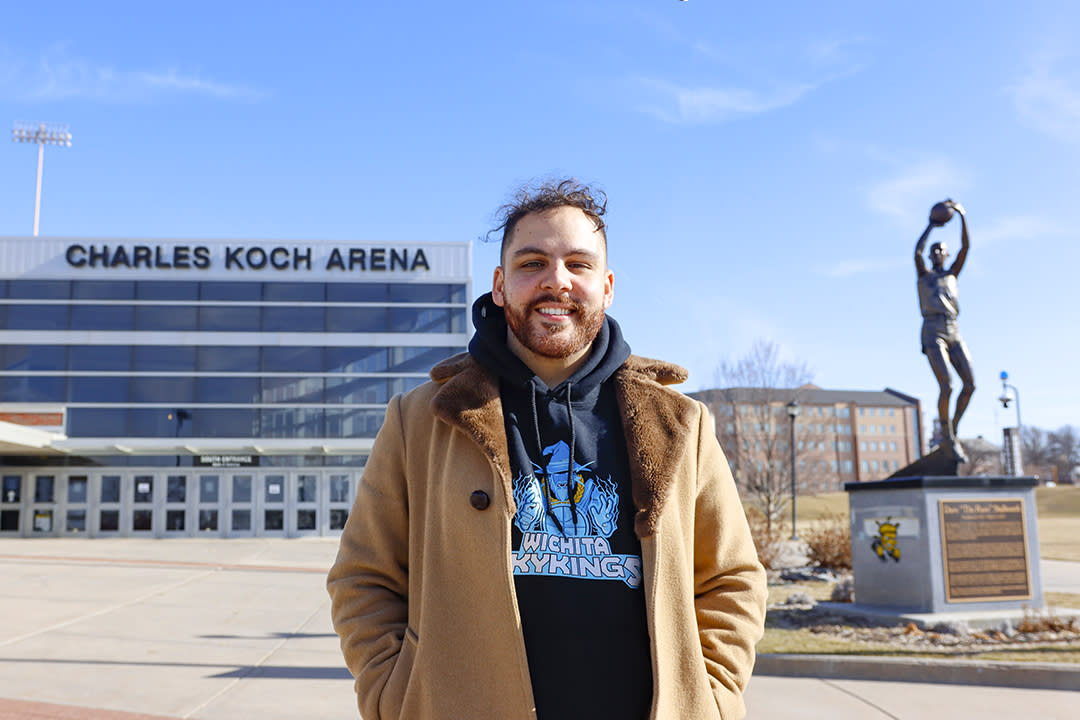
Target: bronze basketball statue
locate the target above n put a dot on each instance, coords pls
(939, 303)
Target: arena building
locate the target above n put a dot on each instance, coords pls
(162, 388)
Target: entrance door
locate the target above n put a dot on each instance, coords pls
(178, 502)
(11, 503)
(272, 506)
(43, 511)
(77, 506)
(340, 499)
(108, 515)
(209, 507)
(142, 505)
(305, 510)
(241, 504)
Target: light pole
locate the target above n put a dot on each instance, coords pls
(43, 134)
(1004, 400)
(793, 412)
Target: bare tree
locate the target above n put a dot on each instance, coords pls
(1064, 447)
(753, 423)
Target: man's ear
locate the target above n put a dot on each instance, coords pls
(609, 289)
(497, 287)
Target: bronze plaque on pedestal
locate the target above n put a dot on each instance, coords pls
(984, 550)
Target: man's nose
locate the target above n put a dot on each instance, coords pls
(558, 278)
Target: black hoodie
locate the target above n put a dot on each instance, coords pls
(577, 561)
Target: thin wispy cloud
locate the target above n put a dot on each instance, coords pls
(1047, 97)
(913, 189)
(57, 76)
(684, 104)
(755, 80)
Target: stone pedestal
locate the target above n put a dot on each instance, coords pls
(933, 544)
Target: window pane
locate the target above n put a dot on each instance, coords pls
(293, 319)
(292, 422)
(33, 357)
(292, 390)
(338, 518)
(102, 290)
(175, 519)
(353, 422)
(419, 320)
(305, 520)
(274, 520)
(76, 521)
(364, 319)
(419, 292)
(356, 359)
(274, 490)
(98, 389)
(77, 489)
(37, 317)
(9, 520)
(297, 292)
(227, 389)
(292, 359)
(152, 358)
(144, 488)
(241, 519)
(102, 317)
(167, 291)
(230, 291)
(241, 488)
(176, 489)
(12, 489)
(17, 389)
(166, 317)
(142, 520)
(39, 289)
(228, 359)
(306, 487)
(228, 319)
(339, 488)
(417, 359)
(110, 488)
(356, 391)
(208, 520)
(101, 357)
(109, 520)
(208, 488)
(159, 422)
(176, 390)
(44, 488)
(356, 292)
(404, 385)
(226, 423)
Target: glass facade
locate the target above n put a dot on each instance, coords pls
(160, 354)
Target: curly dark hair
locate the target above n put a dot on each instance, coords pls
(549, 195)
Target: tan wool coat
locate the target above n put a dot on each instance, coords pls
(423, 591)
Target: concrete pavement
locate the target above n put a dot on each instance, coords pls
(236, 629)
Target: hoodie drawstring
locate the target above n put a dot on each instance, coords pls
(546, 490)
(570, 489)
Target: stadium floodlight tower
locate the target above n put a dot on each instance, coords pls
(43, 134)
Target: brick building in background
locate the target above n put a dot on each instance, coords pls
(840, 435)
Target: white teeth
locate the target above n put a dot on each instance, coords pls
(554, 311)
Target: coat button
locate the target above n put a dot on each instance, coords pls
(479, 500)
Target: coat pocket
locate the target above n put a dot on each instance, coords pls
(393, 695)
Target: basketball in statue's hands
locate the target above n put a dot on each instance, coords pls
(941, 213)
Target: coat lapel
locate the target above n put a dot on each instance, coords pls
(469, 400)
(656, 422)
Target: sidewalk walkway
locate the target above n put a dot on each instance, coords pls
(237, 629)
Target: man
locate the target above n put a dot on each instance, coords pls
(941, 341)
(545, 530)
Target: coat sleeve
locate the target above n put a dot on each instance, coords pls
(368, 583)
(730, 585)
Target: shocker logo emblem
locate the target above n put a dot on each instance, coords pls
(884, 544)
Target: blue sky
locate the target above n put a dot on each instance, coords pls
(770, 168)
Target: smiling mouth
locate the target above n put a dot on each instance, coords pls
(554, 312)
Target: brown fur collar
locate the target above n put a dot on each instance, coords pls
(655, 421)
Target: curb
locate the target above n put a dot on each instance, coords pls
(1033, 676)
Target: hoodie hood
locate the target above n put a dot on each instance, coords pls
(488, 346)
